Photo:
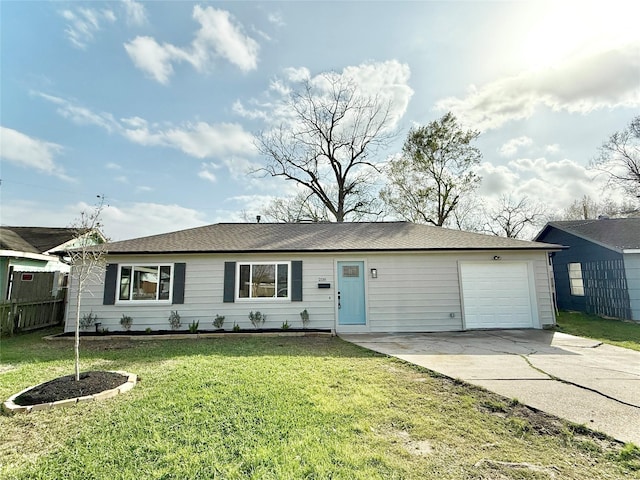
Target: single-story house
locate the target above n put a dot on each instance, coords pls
(350, 277)
(35, 249)
(600, 272)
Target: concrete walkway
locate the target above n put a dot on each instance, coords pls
(574, 378)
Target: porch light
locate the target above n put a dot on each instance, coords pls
(374, 273)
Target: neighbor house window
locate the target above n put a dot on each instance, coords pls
(144, 283)
(263, 280)
(575, 279)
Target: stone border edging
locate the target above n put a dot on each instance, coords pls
(191, 336)
(10, 407)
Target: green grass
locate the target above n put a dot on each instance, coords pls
(281, 408)
(615, 332)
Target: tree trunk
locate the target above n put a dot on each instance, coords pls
(77, 336)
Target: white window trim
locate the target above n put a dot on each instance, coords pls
(236, 287)
(574, 288)
(145, 302)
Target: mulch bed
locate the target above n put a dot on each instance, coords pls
(66, 387)
(135, 333)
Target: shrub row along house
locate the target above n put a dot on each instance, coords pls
(600, 272)
(350, 277)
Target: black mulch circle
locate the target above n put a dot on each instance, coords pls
(63, 388)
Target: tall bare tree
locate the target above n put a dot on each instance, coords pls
(619, 158)
(434, 173)
(329, 146)
(512, 216)
(87, 262)
(302, 207)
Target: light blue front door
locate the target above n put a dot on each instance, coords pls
(351, 308)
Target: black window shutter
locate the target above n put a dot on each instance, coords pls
(179, 270)
(110, 279)
(228, 295)
(296, 281)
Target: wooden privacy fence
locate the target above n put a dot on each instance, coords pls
(16, 315)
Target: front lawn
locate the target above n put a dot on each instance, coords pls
(281, 408)
(615, 332)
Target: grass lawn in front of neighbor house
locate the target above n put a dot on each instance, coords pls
(281, 408)
(615, 332)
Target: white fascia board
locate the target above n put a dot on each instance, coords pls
(31, 256)
(631, 250)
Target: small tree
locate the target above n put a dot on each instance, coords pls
(87, 260)
(434, 173)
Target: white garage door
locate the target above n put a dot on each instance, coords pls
(496, 295)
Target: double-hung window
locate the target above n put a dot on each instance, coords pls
(263, 280)
(576, 282)
(144, 283)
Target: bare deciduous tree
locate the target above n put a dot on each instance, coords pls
(434, 173)
(87, 262)
(302, 207)
(511, 217)
(329, 145)
(620, 158)
(587, 208)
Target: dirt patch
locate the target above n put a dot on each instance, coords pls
(6, 368)
(418, 448)
(67, 387)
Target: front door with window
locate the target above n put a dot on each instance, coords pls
(351, 305)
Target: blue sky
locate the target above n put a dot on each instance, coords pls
(155, 104)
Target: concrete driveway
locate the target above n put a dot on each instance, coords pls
(574, 378)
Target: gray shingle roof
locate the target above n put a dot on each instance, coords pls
(35, 239)
(615, 233)
(317, 237)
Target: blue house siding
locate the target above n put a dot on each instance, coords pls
(632, 268)
(603, 274)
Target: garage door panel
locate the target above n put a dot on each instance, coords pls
(496, 295)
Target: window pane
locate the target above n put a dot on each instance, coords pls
(125, 283)
(575, 279)
(243, 290)
(350, 271)
(263, 281)
(165, 282)
(145, 283)
(283, 275)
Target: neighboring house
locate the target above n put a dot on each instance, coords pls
(35, 249)
(350, 277)
(600, 272)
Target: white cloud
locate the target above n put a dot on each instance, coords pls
(136, 12)
(511, 147)
(29, 152)
(553, 148)
(81, 115)
(199, 140)
(219, 36)
(113, 166)
(83, 23)
(388, 81)
(228, 142)
(276, 19)
(554, 184)
(141, 219)
(206, 172)
(604, 79)
(121, 221)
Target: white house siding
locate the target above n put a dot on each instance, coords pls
(203, 296)
(413, 292)
(632, 270)
(421, 291)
